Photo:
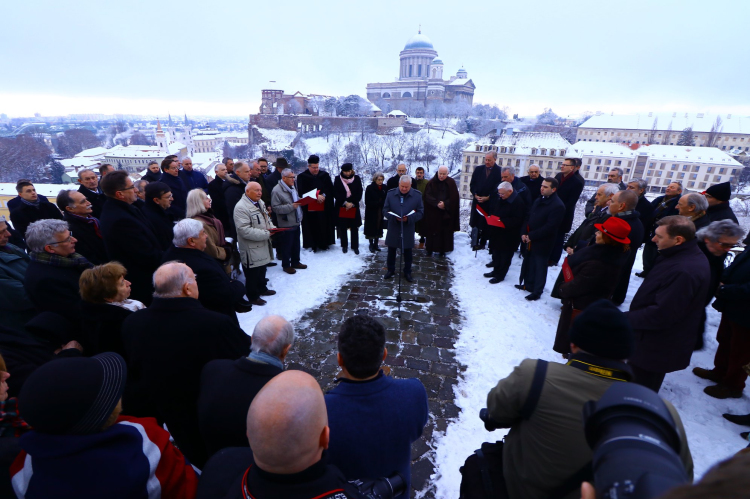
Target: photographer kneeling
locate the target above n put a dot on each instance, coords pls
(545, 453)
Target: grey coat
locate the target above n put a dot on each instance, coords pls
(281, 203)
(253, 233)
(412, 201)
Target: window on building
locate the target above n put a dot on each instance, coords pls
(543, 152)
(419, 70)
(693, 176)
(650, 173)
(551, 152)
(468, 159)
(691, 184)
(722, 170)
(598, 162)
(409, 69)
(475, 159)
(670, 175)
(618, 162)
(589, 161)
(406, 94)
(652, 165)
(549, 164)
(703, 185)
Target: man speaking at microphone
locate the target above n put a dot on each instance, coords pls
(403, 208)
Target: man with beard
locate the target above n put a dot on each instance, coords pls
(154, 172)
(393, 181)
(317, 223)
(441, 218)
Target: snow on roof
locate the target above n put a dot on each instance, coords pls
(700, 122)
(524, 142)
(94, 151)
(699, 155)
(396, 112)
(81, 162)
(135, 152)
(220, 135)
(175, 147)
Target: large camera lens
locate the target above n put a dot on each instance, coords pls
(636, 445)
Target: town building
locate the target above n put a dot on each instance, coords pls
(420, 79)
(697, 168)
(730, 132)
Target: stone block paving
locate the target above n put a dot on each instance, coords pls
(420, 343)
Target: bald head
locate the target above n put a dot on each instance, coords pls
(273, 335)
(287, 424)
(175, 280)
(254, 191)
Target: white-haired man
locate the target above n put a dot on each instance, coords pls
(217, 291)
(228, 387)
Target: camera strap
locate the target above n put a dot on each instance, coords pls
(599, 371)
(540, 373)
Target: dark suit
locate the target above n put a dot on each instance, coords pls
(218, 204)
(96, 199)
(512, 212)
(167, 346)
(90, 242)
(534, 186)
(54, 289)
(483, 184)
(24, 215)
(162, 222)
(129, 239)
(568, 191)
(660, 207)
(179, 193)
(234, 189)
(216, 291)
(394, 180)
(542, 225)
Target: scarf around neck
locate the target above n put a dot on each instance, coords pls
(76, 260)
(346, 182)
(35, 204)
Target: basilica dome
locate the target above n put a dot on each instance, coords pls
(418, 41)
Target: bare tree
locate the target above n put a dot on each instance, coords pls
(652, 134)
(713, 135)
(667, 134)
(75, 140)
(23, 156)
(293, 107)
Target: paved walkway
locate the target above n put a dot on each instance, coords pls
(420, 342)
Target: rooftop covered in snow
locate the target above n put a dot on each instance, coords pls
(700, 122)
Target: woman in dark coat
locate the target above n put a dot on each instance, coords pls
(441, 219)
(347, 193)
(591, 274)
(374, 200)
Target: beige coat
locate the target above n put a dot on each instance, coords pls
(543, 451)
(253, 233)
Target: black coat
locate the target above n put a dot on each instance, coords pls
(569, 192)
(581, 237)
(129, 239)
(216, 291)
(596, 269)
(523, 191)
(179, 195)
(272, 179)
(153, 177)
(167, 346)
(23, 354)
(96, 199)
(732, 298)
(54, 289)
(660, 208)
(483, 185)
(543, 222)
(645, 210)
(16, 202)
(339, 193)
(162, 222)
(392, 182)
(218, 203)
(720, 212)
(89, 244)
(374, 201)
(24, 215)
(223, 475)
(101, 328)
(534, 186)
(234, 189)
(668, 311)
(226, 391)
(512, 212)
(318, 227)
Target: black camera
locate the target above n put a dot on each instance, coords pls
(489, 423)
(382, 488)
(635, 442)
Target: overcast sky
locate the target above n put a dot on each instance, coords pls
(214, 57)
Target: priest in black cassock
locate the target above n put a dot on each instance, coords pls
(318, 227)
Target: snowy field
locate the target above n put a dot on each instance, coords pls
(500, 329)
(296, 293)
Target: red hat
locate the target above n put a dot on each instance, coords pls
(616, 228)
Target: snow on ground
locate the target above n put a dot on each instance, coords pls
(277, 139)
(306, 289)
(500, 329)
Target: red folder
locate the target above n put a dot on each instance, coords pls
(277, 230)
(306, 201)
(481, 211)
(344, 213)
(567, 271)
(315, 206)
(494, 221)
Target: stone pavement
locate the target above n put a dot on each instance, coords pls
(420, 342)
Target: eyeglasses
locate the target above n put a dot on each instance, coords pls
(726, 245)
(67, 240)
(127, 188)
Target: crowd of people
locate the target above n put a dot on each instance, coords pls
(120, 326)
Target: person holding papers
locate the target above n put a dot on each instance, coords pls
(285, 203)
(441, 218)
(318, 219)
(504, 225)
(403, 208)
(254, 230)
(347, 191)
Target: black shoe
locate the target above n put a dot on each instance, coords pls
(745, 434)
(344, 249)
(441, 255)
(243, 306)
(642, 275)
(271, 264)
(533, 297)
(407, 276)
(377, 248)
(520, 286)
(495, 280)
(428, 253)
(371, 247)
(489, 274)
(490, 265)
(389, 274)
(741, 419)
(356, 251)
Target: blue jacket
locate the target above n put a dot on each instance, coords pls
(412, 200)
(373, 424)
(194, 180)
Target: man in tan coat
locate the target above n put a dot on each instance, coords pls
(546, 444)
(254, 238)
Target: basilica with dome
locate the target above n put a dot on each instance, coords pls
(420, 80)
